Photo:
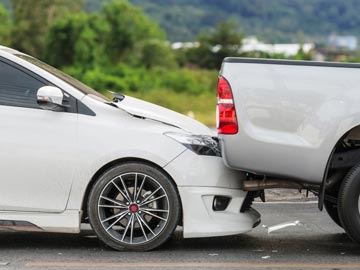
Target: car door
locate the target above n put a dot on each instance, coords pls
(37, 147)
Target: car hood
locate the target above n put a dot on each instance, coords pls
(149, 110)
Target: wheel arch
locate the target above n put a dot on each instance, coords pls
(115, 162)
(352, 133)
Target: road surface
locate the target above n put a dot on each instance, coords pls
(315, 244)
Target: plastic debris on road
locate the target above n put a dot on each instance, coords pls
(281, 226)
(4, 263)
(265, 257)
(91, 236)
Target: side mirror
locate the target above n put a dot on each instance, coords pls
(50, 98)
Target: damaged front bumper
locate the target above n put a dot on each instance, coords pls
(202, 220)
(211, 196)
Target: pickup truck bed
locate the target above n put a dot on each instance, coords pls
(290, 115)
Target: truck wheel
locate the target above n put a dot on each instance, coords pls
(332, 210)
(349, 203)
(134, 206)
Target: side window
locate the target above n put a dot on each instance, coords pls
(17, 88)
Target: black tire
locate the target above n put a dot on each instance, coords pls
(147, 217)
(348, 203)
(332, 210)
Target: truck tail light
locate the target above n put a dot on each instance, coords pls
(226, 120)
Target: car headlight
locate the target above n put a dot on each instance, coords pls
(200, 144)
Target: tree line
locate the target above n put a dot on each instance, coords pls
(120, 48)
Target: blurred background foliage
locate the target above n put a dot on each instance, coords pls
(114, 45)
(274, 21)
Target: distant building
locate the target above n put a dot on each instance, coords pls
(184, 45)
(343, 42)
(251, 44)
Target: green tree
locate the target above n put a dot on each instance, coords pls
(214, 46)
(75, 41)
(157, 53)
(120, 33)
(129, 28)
(5, 26)
(33, 18)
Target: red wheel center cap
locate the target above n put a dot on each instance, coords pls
(133, 208)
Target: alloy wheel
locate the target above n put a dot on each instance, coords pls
(133, 208)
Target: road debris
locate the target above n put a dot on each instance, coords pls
(259, 250)
(213, 254)
(91, 236)
(4, 263)
(265, 257)
(281, 226)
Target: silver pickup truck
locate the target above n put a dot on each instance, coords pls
(294, 124)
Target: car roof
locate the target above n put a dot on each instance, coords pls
(9, 50)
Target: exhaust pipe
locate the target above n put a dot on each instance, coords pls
(255, 185)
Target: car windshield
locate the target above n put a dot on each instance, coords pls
(63, 76)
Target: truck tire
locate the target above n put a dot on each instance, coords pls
(348, 203)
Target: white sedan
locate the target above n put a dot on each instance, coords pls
(131, 169)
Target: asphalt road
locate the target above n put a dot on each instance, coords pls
(315, 244)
